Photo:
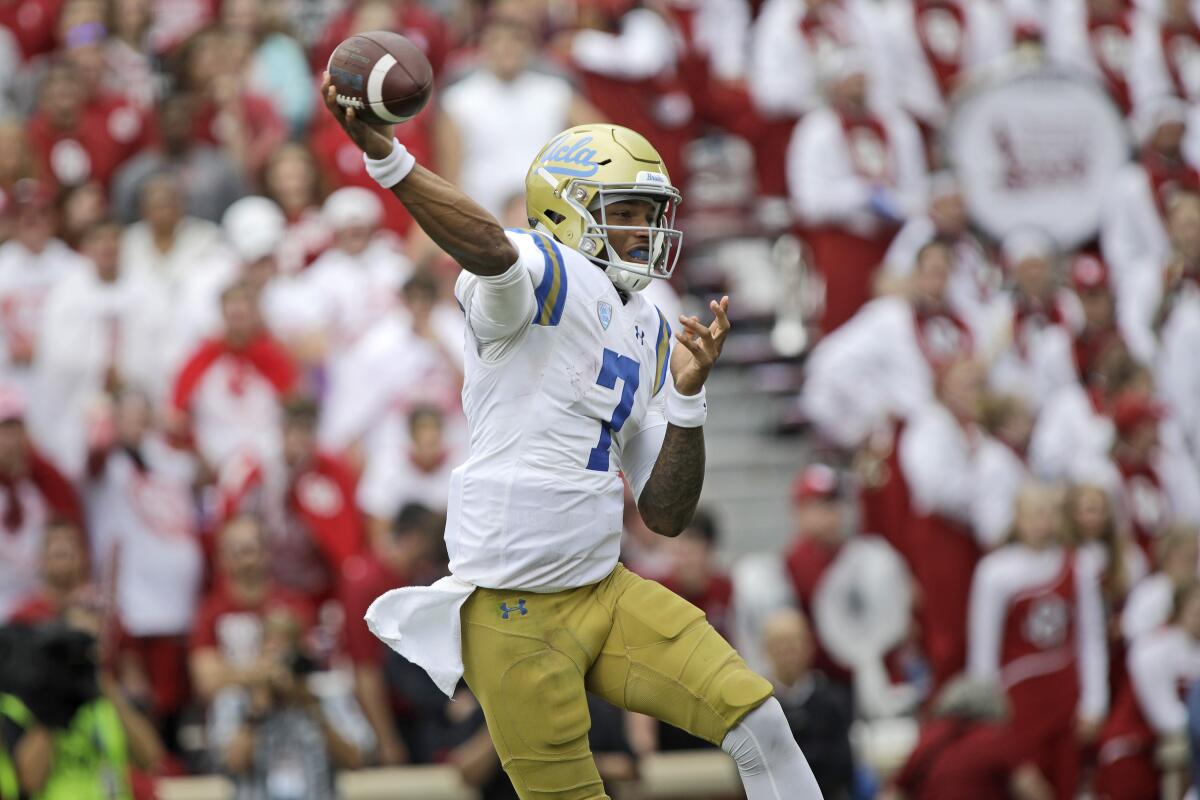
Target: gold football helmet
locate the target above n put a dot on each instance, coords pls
(584, 169)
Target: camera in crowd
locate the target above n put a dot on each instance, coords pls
(51, 668)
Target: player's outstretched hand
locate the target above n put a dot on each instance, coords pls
(700, 347)
(374, 140)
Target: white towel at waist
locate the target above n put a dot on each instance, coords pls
(423, 624)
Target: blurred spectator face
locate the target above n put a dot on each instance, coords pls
(175, 123)
(426, 430)
(692, 558)
(82, 207)
(1183, 225)
(64, 559)
(133, 418)
(420, 297)
(789, 645)
(849, 92)
(1104, 7)
(931, 274)
(820, 519)
(239, 307)
(373, 15)
(130, 19)
(15, 161)
(1011, 420)
(291, 179)
(961, 388)
(354, 239)
(1188, 614)
(949, 214)
(1179, 554)
(13, 449)
(206, 60)
(1142, 440)
(1038, 520)
(85, 36)
(240, 15)
(299, 440)
(243, 553)
(162, 204)
(102, 245)
(1034, 276)
(258, 273)
(1177, 12)
(62, 97)
(1167, 139)
(514, 214)
(1098, 310)
(507, 47)
(34, 216)
(1091, 512)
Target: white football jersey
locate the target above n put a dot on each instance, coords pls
(550, 412)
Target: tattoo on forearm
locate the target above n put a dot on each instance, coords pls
(669, 498)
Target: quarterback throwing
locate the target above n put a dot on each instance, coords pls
(573, 379)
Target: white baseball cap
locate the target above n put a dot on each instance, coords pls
(254, 227)
(351, 206)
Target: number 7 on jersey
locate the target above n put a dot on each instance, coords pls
(615, 367)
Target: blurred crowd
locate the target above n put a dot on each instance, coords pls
(230, 371)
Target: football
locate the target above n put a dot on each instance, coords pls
(383, 76)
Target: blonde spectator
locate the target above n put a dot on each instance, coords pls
(1036, 626)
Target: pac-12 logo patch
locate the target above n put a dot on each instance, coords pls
(604, 312)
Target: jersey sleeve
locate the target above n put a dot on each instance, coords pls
(639, 449)
(499, 308)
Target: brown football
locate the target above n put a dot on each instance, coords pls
(384, 77)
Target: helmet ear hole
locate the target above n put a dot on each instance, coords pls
(554, 216)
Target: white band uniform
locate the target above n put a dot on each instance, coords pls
(393, 168)
(686, 410)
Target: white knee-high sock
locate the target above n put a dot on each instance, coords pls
(768, 758)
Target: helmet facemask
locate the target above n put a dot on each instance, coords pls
(591, 199)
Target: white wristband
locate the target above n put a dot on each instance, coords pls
(393, 168)
(686, 410)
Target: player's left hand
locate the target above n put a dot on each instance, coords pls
(700, 347)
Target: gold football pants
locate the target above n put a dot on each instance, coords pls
(530, 658)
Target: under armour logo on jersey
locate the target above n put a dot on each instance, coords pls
(604, 312)
(640, 334)
(505, 610)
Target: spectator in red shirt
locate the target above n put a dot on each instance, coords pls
(226, 113)
(228, 396)
(77, 138)
(291, 179)
(31, 493)
(210, 178)
(418, 24)
(32, 22)
(817, 500)
(305, 500)
(227, 639)
(818, 503)
(965, 752)
(412, 553)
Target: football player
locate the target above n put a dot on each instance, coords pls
(571, 382)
